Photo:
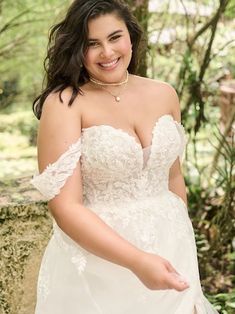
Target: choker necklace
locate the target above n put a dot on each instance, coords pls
(100, 83)
(104, 85)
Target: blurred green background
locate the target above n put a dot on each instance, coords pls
(191, 45)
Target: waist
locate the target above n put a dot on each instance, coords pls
(121, 194)
(132, 201)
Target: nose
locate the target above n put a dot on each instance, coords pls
(106, 51)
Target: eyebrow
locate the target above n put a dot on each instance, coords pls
(110, 35)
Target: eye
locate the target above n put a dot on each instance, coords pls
(93, 44)
(115, 37)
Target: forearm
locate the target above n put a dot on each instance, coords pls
(89, 231)
(94, 235)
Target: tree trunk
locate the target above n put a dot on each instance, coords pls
(140, 10)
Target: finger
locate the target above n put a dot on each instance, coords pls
(177, 282)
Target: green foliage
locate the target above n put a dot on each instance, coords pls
(230, 12)
(225, 193)
(17, 135)
(23, 41)
(224, 302)
(190, 65)
(23, 123)
(9, 92)
(212, 208)
(202, 50)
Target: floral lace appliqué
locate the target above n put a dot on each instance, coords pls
(73, 251)
(128, 192)
(53, 178)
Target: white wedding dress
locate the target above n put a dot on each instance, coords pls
(127, 187)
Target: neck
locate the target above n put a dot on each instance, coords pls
(97, 82)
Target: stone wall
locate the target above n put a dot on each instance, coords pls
(25, 227)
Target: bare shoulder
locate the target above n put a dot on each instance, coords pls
(156, 87)
(58, 116)
(59, 127)
(160, 93)
(57, 103)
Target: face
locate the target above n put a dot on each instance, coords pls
(109, 49)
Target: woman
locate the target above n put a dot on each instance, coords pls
(108, 148)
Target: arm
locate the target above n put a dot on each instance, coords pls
(176, 181)
(60, 126)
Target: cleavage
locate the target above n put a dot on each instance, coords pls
(130, 132)
(137, 138)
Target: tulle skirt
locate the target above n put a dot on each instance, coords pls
(74, 281)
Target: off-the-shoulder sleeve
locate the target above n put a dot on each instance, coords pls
(53, 178)
(183, 138)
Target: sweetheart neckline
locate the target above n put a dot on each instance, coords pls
(74, 146)
(131, 136)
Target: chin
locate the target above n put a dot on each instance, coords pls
(113, 76)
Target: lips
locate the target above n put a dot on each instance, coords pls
(110, 64)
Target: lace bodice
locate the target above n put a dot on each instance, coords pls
(127, 187)
(114, 165)
(122, 183)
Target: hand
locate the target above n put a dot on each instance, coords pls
(156, 273)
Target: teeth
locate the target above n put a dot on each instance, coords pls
(106, 65)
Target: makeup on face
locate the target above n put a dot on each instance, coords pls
(109, 48)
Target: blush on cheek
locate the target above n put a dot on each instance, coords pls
(88, 58)
(126, 46)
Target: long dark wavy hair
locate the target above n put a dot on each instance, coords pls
(68, 42)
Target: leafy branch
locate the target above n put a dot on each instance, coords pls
(192, 79)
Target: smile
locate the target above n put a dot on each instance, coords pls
(109, 64)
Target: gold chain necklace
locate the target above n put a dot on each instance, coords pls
(100, 83)
(103, 85)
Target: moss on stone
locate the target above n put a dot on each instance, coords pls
(25, 228)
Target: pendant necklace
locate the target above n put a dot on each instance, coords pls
(116, 97)
(103, 85)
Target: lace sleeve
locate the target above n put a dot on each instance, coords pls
(183, 138)
(53, 178)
